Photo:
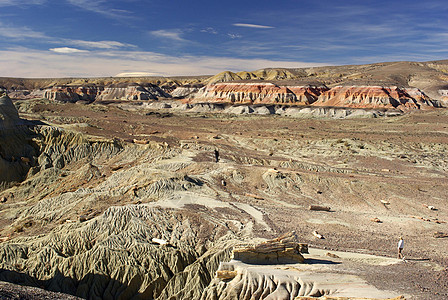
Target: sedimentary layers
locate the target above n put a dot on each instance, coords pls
(112, 92)
(339, 96)
(72, 94)
(258, 93)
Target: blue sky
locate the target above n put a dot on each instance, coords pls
(76, 38)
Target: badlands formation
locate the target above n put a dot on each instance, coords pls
(273, 184)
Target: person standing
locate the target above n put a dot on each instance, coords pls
(216, 155)
(400, 248)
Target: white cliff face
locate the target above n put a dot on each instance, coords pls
(72, 94)
(93, 93)
(132, 92)
(183, 92)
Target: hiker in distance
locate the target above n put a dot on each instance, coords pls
(400, 248)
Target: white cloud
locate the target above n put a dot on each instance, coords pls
(135, 74)
(20, 32)
(21, 2)
(23, 62)
(252, 25)
(234, 35)
(99, 6)
(173, 34)
(209, 30)
(67, 50)
(100, 44)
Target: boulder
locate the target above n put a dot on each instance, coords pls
(284, 249)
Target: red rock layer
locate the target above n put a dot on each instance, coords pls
(257, 93)
(340, 96)
(374, 97)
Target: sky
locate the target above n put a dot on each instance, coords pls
(91, 38)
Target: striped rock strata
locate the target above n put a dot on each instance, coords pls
(374, 97)
(111, 92)
(339, 96)
(72, 94)
(258, 93)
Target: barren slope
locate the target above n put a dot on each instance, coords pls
(115, 177)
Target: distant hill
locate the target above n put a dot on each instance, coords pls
(430, 77)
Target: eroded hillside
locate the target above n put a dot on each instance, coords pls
(101, 188)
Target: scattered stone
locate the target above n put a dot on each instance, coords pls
(159, 241)
(318, 235)
(82, 218)
(226, 275)
(385, 202)
(376, 220)
(3, 200)
(141, 142)
(223, 182)
(435, 220)
(25, 160)
(254, 196)
(319, 208)
(116, 168)
(439, 235)
(329, 254)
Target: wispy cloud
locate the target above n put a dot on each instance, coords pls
(234, 35)
(100, 44)
(22, 33)
(173, 34)
(13, 32)
(21, 2)
(67, 50)
(23, 62)
(209, 30)
(100, 7)
(252, 25)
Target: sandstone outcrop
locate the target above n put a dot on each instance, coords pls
(131, 92)
(15, 149)
(27, 94)
(340, 96)
(8, 113)
(72, 93)
(257, 93)
(184, 91)
(122, 91)
(284, 249)
(374, 97)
